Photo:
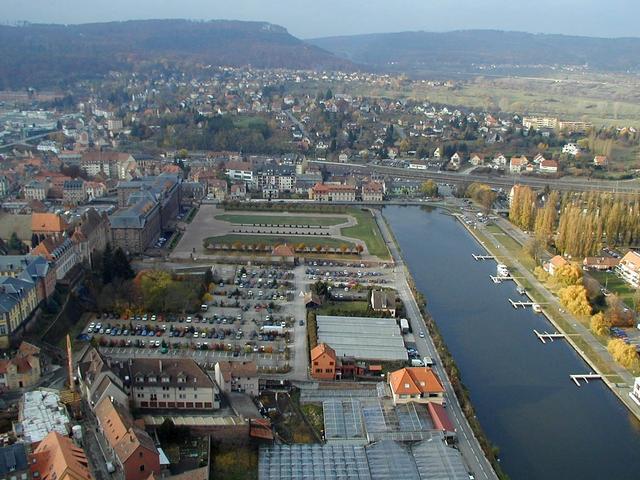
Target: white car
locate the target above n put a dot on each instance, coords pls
(421, 334)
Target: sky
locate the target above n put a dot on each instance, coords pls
(319, 18)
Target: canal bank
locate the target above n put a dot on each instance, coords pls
(620, 389)
(544, 426)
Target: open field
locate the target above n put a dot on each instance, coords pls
(615, 285)
(278, 240)
(281, 220)
(367, 231)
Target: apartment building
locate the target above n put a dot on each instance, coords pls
(629, 268)
(324, 192)
(237, 377)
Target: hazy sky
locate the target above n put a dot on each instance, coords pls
(314, 18)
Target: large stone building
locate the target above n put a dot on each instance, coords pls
(147, 207)
(171, 384)
(18, 300)
(115, 165)
(325, 192)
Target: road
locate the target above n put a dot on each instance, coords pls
(467, 442)
(297, 123)
(561, 184)
(300, 359)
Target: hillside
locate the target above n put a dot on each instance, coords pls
(38, 54)
(474, 50)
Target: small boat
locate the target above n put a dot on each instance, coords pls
(537, 308)
(502, 270)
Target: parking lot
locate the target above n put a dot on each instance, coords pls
(249, 315)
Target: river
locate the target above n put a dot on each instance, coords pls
(545, 426)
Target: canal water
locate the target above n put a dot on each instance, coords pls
(545, 426)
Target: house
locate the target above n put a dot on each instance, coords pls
(518, 164)
(436, 153)
(177, 384)
(372, 192)
(48, 224)
(284, 252)
(57, 457)
(98, 380)
(60, 252)
(476, 159)
(629, 268)
(238, 191)
(14, 463)
(323, 362)
(600, 263)
(456, 160)
(237, 377)
(216, 189)
(21, 371)
(131, 447)
(548, 166)
(383, 301)
(35, 190)
(239, 171)
(600, 161)
(538, 159)
(554, 264)
(571, 149)
(499, 161)
(311, 300)
(324, 192)
(416, 384)
(74, 192)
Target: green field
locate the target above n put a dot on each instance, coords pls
(615, 285)
(367, 231)
(309, 241)
(282, 220)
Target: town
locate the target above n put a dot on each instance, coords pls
(201, 273)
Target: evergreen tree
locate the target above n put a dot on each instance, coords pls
(121, 267)
(107, 264)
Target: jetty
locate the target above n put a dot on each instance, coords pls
(585, 378)
(519, 304)
(482, 257)
(543, 337)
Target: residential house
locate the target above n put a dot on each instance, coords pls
(548, 166)
(629, 268)
(600, 263)
(571, 149)
(176, 384)
(324, 192)
(538, 159)
(239, 191)
(323, 362)
(518, 164)
(57, 457)
(555, 263)
(456, 161)
(600, 161)
(372, 192)
(217, 189)
(237, 377)
(499, 161)
(98, 379)
(130, 445)
(383, 301)
(476, 159)
(416, 384)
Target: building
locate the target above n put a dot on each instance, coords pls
(138, 226)
(18, 300)
(548, 166)
(324, 192)
(60, 252)
(237, 377)
(34, 268)
(383, 301)
(372, 192)
(121, 166)
(555, 263)
(57, 458)
(629, 268)
(600, 263)
(600, 161)
(40, 413)
(635, 393)
(239, 172)
(21, 371)
(418, 165)
(114, 125)
(362, 338)
(91, 235)
(14, 464)
(518, 164)
(5, 186)
(44, 224)
(217, 189)
(571, 149)
(74, 192)
(98, 380)
(476, 159)
(323, 362)
(540, 123)
(416, 384)
(131, 447)
(172, 384)
(35, 190)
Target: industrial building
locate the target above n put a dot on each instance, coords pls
(362, 338)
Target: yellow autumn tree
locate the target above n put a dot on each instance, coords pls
(574, 298)
(624, 354)
(567, 275)
(600, 325)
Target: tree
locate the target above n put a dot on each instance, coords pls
(328, 95)
(107, 264)
(624, 354)
(429, 188)
(121, 267)
(600, 325)
(534, 248)
(569, 274)
(617, 313)
(574, 298)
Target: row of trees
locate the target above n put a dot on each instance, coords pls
(579, 224)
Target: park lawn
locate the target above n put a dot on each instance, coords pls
(367, 230)
(615, 285)
(282, 220)
(512, 246)
(294, 240)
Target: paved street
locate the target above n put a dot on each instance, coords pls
(467, 443)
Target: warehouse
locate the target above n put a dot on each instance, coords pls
(362, 338)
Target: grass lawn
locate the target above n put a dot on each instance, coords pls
(512, 246)
(367, 231)
(356, 308)
(309, 241)
(234, 462)
(282, 220)
(616, 285)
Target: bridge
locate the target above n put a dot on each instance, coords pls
(562, 184)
